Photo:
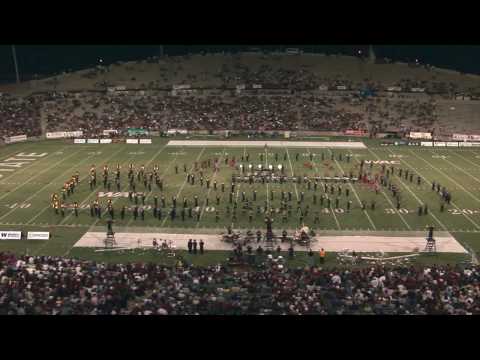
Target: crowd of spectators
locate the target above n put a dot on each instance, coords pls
(309, 106)
(94, 112)
(53, 285)
(19, 116)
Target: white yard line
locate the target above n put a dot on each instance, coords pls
(183, 185)
(210, 189)
(467, 173)
(420, 201)
(448, 177)
(147, 164)
(41, 190)
(16, 172)
(322, 183)
(428, 182)
(92, 193)
(355, 193)
(239, 185)
(266, 166)
(291, 169)
(37, 175)
(162, 176)
(386, 196)
(464, 158)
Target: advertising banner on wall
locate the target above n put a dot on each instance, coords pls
(38, 235)
(10, 235)
(420, 135)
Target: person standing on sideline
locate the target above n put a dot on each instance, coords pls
(322, 256)
(190, 244)
(201, 246)
(195, 247)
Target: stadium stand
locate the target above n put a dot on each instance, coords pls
(290, 99)
(52, 285)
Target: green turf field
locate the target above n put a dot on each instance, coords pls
(26, 187)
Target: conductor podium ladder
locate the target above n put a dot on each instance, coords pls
(431, 246)
(269, 244)
(110, 241)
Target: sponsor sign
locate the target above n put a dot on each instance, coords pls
(341, 87)
(416, 89)
(420, 135)
(38, 235)
(10, 235)
(73, 133)
(56, 135)
(135, 132)
(466, 137)
(175, 131)
(63, 134)
(105, 141)
(108, 132)
(439, 144)
(351, 132)
(92, 141)
(132, 141)
(394, 88)
(450, 144)
(181, 87)
(426, 143)
(14, 139)
(145, 141)
(79, 141)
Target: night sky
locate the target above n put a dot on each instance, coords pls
(50, 59)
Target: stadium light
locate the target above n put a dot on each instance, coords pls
(14, 54)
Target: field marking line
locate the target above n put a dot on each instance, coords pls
(354, 192)
(266, 166)
(37, 175)
(321, 182)
(421, 202)
(147, 164)
(41, 190)
(466, 159)
(91, 193)
(446, 176)
(183, 185)
(210, 190)
(462, 170)
(14, 152)
(49, 206)
(239, 185)
(291, 169)
(15, 173)
(148, 195)
(385, 195)
(428, 182)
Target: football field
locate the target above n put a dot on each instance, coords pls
(31, 172)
